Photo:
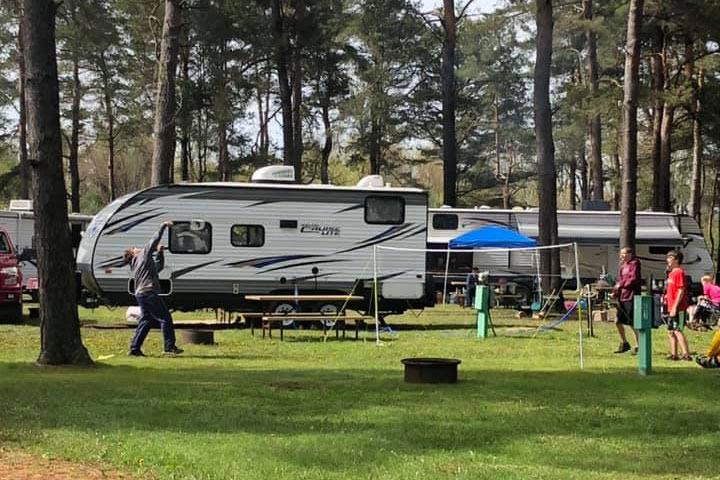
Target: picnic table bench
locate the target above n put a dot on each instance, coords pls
(338, 319)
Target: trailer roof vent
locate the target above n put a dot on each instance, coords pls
(21, 205)
(371, 181)
(274, 174)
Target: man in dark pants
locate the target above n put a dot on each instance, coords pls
(628, 285)
(145, 264)
(470, 283)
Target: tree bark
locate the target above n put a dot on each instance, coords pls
(697, 163)
(666, 128)
(583, 167)
(375, 149)
(110, 120)
(297, 90)
(282, 49)
(447, 77)
(166, 105)
(327, 147)
(658, 68)
(630, 104)
(22, 121)
(75, 149)
(60, 340)
(573, 182)
(595, 121)
(547, 175)
(185, 114)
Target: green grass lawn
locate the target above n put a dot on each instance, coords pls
(249, 408)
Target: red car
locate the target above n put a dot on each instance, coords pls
(10, 280)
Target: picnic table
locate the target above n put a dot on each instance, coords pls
(339, 318)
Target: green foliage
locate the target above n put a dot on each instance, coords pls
(250, 408)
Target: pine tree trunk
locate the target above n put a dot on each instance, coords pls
(547, 176)
(697, 168)
(573, 182)
(166, 105)
(447, 76)
(75, 149)
(282, 48)
(60, 340)
(297, 91)
(584, 180)
(595, 122)
(658, 69)
(628, 200)
(22, 121)
(110, 122)
(666, 128)
(375, 136)
(327, 148)
(185, 113)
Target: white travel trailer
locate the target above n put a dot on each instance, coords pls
(596, 233)
(19, 221)
(270, 236)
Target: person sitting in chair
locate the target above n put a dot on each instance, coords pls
(707, 304)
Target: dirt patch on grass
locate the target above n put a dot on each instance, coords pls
(16, 465)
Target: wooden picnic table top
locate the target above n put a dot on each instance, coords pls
(303, 298)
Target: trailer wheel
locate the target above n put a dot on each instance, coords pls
(284, 307)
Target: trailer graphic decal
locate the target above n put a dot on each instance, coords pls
(183, 271)
(112, 262)
(350, 208)
(404, 227)
(121, 220)
(303, 264)
(131, 225)
(265, 261)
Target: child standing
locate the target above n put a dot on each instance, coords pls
(675, 303)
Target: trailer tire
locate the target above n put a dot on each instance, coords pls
(284, 307)
(331, 310)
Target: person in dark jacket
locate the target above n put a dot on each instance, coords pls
(470, 283)
(145, 263)
(628, 285)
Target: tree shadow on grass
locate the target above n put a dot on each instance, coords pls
(583, 421)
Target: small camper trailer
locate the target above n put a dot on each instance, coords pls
(270, 236)
(595, 232)
(19, 222)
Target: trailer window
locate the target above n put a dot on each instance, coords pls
(190, 237)
(445, 221)
(384, 210)
(247, 235)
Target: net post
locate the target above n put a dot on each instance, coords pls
(375, 296)
(577, 289)
(447, 266)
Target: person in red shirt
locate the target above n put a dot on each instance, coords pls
(676, 303)
(628, 285)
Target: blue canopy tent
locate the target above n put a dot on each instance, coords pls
(486, 237)
(491, 237)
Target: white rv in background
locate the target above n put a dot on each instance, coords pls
(271, 236)
(19, 221)
(596, 233)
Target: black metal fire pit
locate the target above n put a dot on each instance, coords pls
(431, 370)
(202, 337)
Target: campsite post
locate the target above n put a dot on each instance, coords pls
(643, 324)
(482, 305)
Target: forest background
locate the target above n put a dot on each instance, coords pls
(341, 89)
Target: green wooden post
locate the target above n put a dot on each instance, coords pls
(643, 313)
(482, 305)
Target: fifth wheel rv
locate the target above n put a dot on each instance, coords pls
(595, 232)
(229, 240)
